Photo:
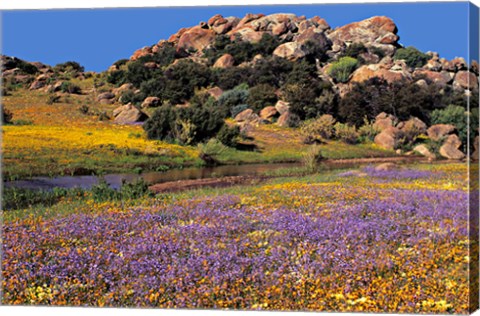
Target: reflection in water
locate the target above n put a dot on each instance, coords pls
(115, 180)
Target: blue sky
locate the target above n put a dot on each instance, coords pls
(98, 37)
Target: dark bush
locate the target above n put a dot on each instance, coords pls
(412, 56)
(241, 50)
(164, 56)
(229, 135)
(402, 99)
(7, 116)
(160, 124)
(270, 70)
(119, 63)
(232, 98)
(68, 87)
(84, 109)
(183, 78)
(117, 77)
(261, 96)
(132, 97)
(229, 78)
(235, 110)
(25, 67)
(69, 66)
(138, 73)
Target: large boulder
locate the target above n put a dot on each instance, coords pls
(438, 131)
(384, 121)
(195, 39)
(466, 80)
(151, 102)
(215, 92)
(128, 114)
(225, 61)
(367, 72)
(450, 148)
(247, 34)
(291, 51)
(39, 82)
(414, 126)
(284, 119)
(424, 151)
(455, 64)
(315, 35)
(389, 138)
(387, 166)
(378, 31)
(144, 51)
(440, 78)
(246, 116)
(269, 112)
(282, 106)
(475, 154)
(122, 89)
(106, 98)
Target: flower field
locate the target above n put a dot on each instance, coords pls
(390, 241)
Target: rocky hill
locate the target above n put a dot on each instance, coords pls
(278, 68)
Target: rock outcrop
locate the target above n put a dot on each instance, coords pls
(269, 112)
(128, 114)
(438, 131)
(424, 151)
(151, 102)
(378, 31)
(225, 61)
(450, 148)
(389, 138)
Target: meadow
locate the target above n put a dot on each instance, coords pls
(38, 144)
(340, 240)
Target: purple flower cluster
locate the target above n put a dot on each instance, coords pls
(221, 253)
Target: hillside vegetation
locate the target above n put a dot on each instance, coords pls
(266, 87)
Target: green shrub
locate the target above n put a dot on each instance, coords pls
(260, 96)
(53, 98)
(235, 110)
(131, 97)
(25, 67)
(210, 151)
(341, 69)
(159, 125)
(272, 70)
(367, 131)
(312, 157)
(346, 133)
(69, 66)
(22, 122)
(318, 130)
(117, 77)
(412, 56)
(182, 79)
(458, 117)
(231, 98)
(84, 109)
(119, 63)
(68, 87)
(134, 190)
(103, 192)
(229, 135)
(7, 116)
(19, 198)
(186, 126)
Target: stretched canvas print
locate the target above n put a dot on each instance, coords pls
(281, 158)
